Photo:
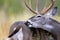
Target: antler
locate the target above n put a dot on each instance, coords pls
(49, 7)
(35, 12)
(36, 5)
(44, 10)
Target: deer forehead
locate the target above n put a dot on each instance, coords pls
(37, 17)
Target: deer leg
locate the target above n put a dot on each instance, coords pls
(42, 34)
(46, 36)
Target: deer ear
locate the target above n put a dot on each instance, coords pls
(51, 12)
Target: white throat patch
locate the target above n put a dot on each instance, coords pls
(48, 26)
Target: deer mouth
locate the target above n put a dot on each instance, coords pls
(29, 24)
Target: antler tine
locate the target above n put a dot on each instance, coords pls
(30, 8)
(36, 5)
(49, 7)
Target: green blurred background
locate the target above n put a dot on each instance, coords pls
(15, 10)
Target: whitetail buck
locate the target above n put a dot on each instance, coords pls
(20, 30)
(44, 20)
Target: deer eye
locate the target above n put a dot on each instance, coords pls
(38, 16)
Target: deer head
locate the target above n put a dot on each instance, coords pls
(41, 19)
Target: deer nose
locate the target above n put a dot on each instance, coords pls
(28, 23)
